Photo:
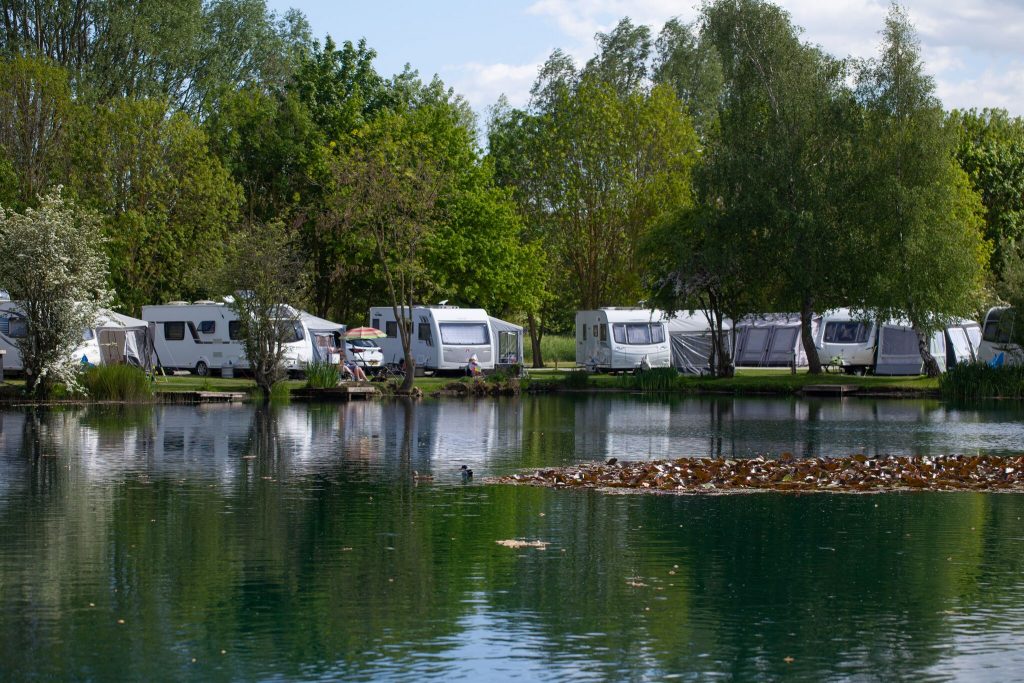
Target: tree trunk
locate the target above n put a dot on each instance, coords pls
(931, 366)
(538, 360)
(807, 338)
(410, 373)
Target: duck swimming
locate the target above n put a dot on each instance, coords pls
(467, 473)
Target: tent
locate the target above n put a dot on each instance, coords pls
(690, 337)
(898, 351)
(324, 336)
(508, 343)
(123, 339)
(772, 340)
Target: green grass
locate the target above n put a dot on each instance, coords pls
(117, 383)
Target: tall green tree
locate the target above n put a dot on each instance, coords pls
(930, 255)
(776, 171)
(167, 203)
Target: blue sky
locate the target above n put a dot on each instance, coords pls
(974, 49)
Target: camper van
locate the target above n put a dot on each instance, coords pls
(999, 330)
(443, 337)
(619, 339)
(205, 336)
(112, 338)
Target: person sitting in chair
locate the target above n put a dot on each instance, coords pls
(349, 370)
(473, 367)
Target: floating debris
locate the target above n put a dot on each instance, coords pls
(849, 474)
(517, 543)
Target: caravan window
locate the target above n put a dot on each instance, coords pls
(465, 334)
(423, 333)
(234, 330)
(174, 331)
(18, 328)
(292, 331)
(999, 326)
(604, 332)
(391, 329)
(88, 334)
(846, 333)
(638, 334)
(207, 326)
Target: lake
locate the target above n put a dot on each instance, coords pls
(294, 543)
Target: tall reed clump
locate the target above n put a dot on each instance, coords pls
(576, 379)
(980, 380)
(321, 375)
(117, 383)
(655, 379)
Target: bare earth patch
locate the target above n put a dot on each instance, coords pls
(848, 474)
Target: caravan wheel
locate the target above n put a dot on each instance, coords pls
(202, 369)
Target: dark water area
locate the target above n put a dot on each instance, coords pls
(295, 543)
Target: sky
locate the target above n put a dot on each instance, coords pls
(973, 48)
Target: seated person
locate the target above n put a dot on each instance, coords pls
(473, 367)
(349, 370)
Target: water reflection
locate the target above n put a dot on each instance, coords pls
(294, 543)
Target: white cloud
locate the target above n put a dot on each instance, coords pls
(999, 86)
(482, 84)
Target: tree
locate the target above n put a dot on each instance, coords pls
(777, 169)
(35, 112)
(264, 270)
(390, 189)
(930, 253)
(167, 201)
(55, 266)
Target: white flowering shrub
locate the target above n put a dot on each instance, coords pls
(53, 262)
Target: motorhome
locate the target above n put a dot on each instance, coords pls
(1000, 338)
(621, 339)
(205, 336)
(112, 338)
(442, 338)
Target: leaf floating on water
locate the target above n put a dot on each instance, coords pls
(518, 543)
(788, 660)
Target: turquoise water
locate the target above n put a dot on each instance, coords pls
(295, 543)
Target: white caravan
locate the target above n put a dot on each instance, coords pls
(443, 337)
(205, 336)
(997, 347)
(113, 338)
(619, 339)
(848, 339)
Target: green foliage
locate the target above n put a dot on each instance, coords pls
(263, 271)
(655, 379)
(321, 375)
(555, 349)
(117, 383)
(166, 201)
(972, 381)
(576, 379)
(54, 266)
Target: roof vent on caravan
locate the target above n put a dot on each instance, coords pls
(177, 303)
(205, 302)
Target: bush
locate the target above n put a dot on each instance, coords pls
(321, 375)
(117, 383)
(980, 380)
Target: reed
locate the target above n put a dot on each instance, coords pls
(321, 375)
(555, 349)
(576, 379)
(117, 383)
(966, 381)
(655, 379)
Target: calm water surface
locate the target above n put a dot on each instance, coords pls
(294, 544)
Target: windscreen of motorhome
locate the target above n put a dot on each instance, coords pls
(638, 333)
(465, 334)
